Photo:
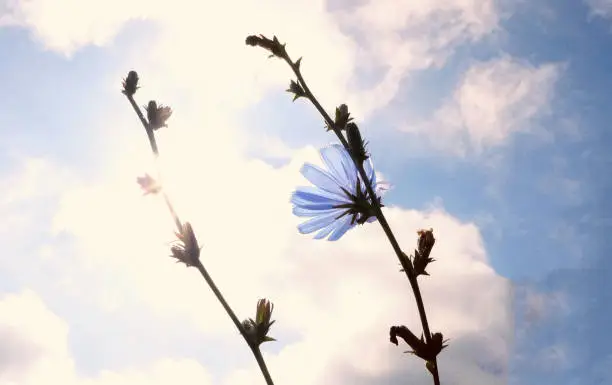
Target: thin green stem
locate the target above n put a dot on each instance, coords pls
(256, 352)
(177, 221)
(262, 364)
(154, 149)
(144, 122)
(378, 211)
(220, 297)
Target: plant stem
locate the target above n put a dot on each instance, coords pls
(199, 265)
(221, 299)
(378, 211)
(262, 364)
(256, 352)
(177, 221)
(154, 149)
(144, 122)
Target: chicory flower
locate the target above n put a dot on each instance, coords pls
(338, 201)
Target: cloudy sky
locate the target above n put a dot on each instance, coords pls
(489, 118)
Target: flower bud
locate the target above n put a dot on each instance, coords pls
(356, 144)
(343, 117)
(426, 242)
(130, 83)
(257, 330)
(187, 250)
(273, 45)
(157, 116)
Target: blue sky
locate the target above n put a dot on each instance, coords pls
(489, 118)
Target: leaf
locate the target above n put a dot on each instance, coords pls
(296, 90)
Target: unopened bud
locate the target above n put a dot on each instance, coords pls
(356, 144)
(257, 330)
(426, 242)
(157, 116)
(272, 45)
(130, 83)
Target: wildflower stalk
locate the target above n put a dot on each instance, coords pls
(279, 50)
(197, 263)
(144, 122)
(262, 364)
(254, 348)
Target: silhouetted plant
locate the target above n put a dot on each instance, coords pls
(344, 195)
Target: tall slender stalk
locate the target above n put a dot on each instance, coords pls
(279, 51)
(252, 345)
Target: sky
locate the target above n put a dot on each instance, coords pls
(488, 117)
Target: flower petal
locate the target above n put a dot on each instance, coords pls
(322, 179)
(309, 196)
(318, 222)
(368, 167)
(326, 231)
(340, 165)
(307, 211)
(318, 201)
(343, 225)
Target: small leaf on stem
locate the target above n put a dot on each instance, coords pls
(296, 90)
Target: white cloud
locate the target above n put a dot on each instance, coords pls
(97, 22)
(493, 100)
(24, 193)
(35, 349)
(321, 289)
(241, 214)
(34, 342)
(201, 44)
(268, 147)
(166, 371)
(399, 36)
(35, 177)
(335, 297)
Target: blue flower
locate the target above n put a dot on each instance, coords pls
(338, 200)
